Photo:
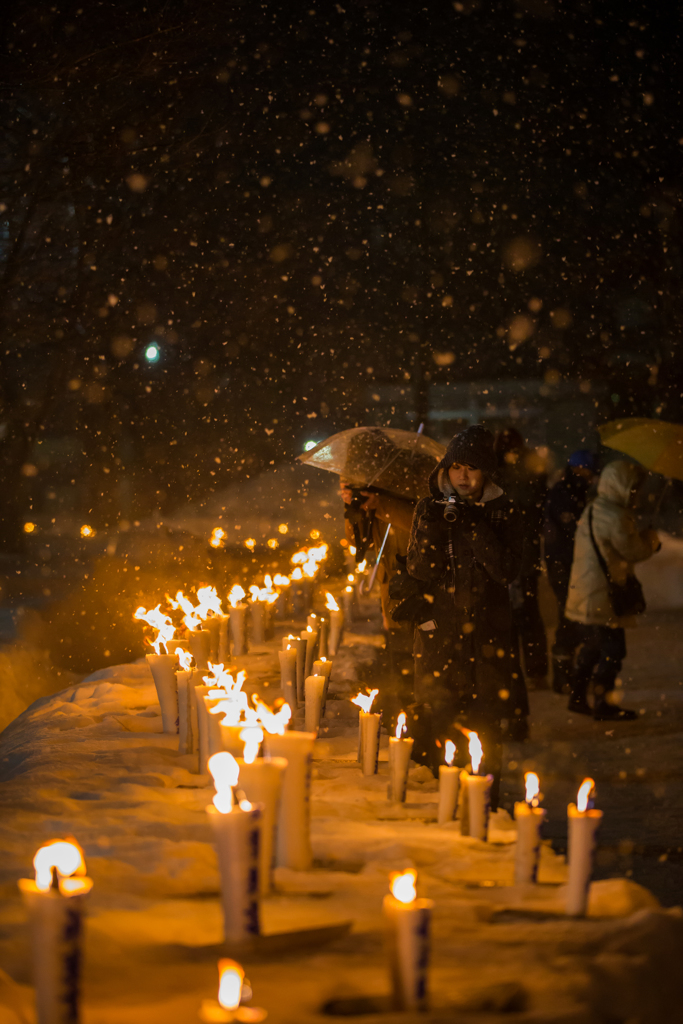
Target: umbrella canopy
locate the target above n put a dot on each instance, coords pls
(396, 461)
(653, 443)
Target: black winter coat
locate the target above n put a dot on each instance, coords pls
(563, 508)
(463, 666)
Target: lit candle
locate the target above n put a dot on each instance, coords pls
(311, 637)
(314, 693)
(299, 646)
(288, 674)
(400, 749)
(163, 673)
(227, 1007)
(407, 921)
(238, 623)
(323, 637)
(348, 600)
(312, 620)
(237, 831)
(199, 642)
(201, 723)
(323, 667)
(257, 616)
(336, 624)
(261, 781)
(583, 824)
(449, 781)
(210, 612)
(368, 732)
(529, 817)
(184, 678)
(293, 846)
(224, 640)
(476, 793)
(55, 901)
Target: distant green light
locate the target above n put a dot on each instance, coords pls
(152, 353)
(309, 445)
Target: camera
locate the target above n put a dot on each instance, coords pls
(452, 507)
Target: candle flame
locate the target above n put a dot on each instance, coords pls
(350, 578)
(450, 752)
(87, 531)
(274, 722)
(281, 581)
(222, 679)
(236, 595)
(184, 658)
(252, 739)
(64, 855)
(585, 790)
(533, 788)
(191, 618)
(364, 700)
(362, 566)
(330, 603)
(402, 885)
(217, 538)
(209, 601)
(225, 772)
(157, 620)
(230, 976)
(308, 560)
(400, 725)
(476, 751)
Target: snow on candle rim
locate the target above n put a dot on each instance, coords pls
(585, 790)
(402, 884)
(533, 788)
(64, 855)
(252, 737)
(184, 658)
(330, 603)
(236, 595)
(162, 623)
(225, 772)
(400, 725)
(363, 700)
(231, 977)
(449, 752)
(274, 722)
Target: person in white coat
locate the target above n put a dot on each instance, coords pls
(620, 544)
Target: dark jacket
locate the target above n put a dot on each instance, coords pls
(563, 507)
(463, 665)
(524, 482)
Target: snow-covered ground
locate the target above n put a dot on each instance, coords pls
(92, 762)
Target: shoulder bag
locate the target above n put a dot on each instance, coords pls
(626, 598)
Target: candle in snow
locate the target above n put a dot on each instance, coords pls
(293, 844)
(183, 681)
(202, 721)
(323, 667)
(261, 780)
(311, 637)
(288, 674)
(407, 920)
(323, 637)
(199, 642)
(336, 624)
(583, 824)
(238, 622)
(312, 620)
(529, 817)
(226, 1008)
(348, 600)
(314, 693)
(55, 901)
(449, 780)
(237, 832)
(368, 732)
(210, 612)
(400, 749)
(476, 793)
(162, 667)
(257, 617)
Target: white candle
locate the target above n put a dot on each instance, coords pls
(323, 667)
(407, 922)
(201, 724)
(323, 637)
(55, 902)
(336, 617)
(184, 681)
(475, 804)
(163, 673)
(529, 817)
(449, 782)
(199, 641)
(293, 846)
(238, 629)
(212, 625)
(400, 749)
(288, 675)
(257, 616)
(369, 742)
(583, 823)
(314, 693)
(311, 638)
(223, 640)
(348, 599)
(299, 646)
(312, 620)
(261, 782)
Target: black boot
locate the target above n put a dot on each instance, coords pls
(562, 673)
(604, 712)
(577, 696)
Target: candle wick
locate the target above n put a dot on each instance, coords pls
(54, 884)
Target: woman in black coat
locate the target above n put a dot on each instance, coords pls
(463, 648)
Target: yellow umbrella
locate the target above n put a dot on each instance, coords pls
(653, 443)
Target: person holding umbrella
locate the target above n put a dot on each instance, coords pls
(465, 549)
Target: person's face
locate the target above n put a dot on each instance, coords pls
(583, 471)
(468, 482)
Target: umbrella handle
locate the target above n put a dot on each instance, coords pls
(373, 574)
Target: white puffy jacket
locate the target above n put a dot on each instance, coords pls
(621, 545)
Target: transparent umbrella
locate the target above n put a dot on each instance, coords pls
(397, 462)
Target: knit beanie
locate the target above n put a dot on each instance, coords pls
(473, 446)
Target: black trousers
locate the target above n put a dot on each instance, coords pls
(528, 627)
(568, 634)
(600, 657)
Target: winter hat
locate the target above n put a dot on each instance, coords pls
(473, 446)
(583, 459)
